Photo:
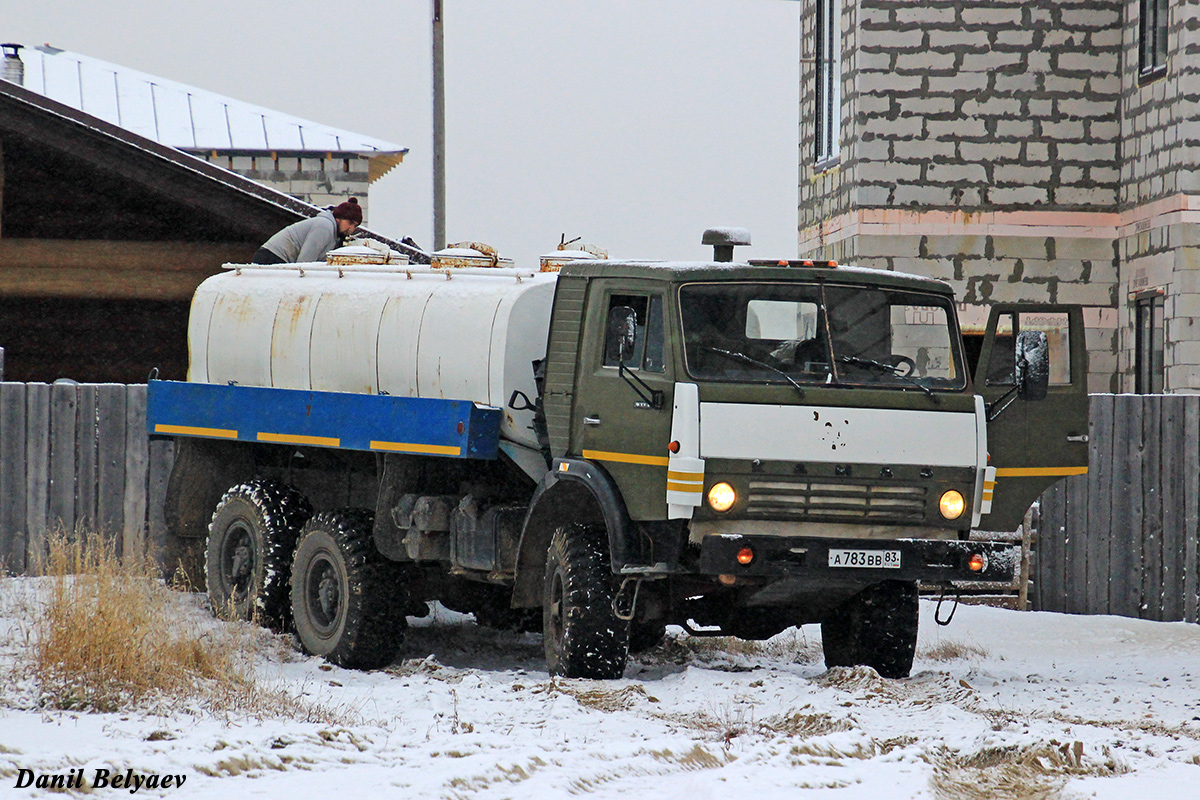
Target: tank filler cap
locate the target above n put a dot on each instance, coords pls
(723, 240)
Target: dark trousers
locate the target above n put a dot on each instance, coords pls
(265, 256)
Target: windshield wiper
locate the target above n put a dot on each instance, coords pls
(889, 368)
(748, 360)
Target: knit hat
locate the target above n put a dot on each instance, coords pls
(350, 211)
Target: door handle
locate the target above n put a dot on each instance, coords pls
(1083, 438)
(592, 421)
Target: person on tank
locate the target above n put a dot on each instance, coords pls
(310, 239)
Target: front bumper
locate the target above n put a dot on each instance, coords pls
(798, 557)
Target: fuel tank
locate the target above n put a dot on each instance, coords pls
(462, 334)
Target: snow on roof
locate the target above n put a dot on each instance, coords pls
(178, 115)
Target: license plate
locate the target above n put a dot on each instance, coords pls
(869, 559)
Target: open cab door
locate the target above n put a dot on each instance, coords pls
(1032, 374)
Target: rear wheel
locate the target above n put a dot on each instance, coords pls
(250, 542)
(876, 628)
(583, 637)
(348, 601)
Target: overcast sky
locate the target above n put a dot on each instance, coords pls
(634, 124)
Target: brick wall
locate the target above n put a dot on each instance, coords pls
(322, 181)
(979, 146)
(1160, 244)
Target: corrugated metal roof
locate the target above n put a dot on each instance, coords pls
(178, 115)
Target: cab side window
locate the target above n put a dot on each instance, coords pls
(649, 336)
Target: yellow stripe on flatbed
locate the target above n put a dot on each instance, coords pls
(408, 447)
(690, 488)
(695, 477)
(293, 438)
(190, 430)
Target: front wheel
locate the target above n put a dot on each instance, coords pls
(583, 637)
(876, 628)
(348, 601)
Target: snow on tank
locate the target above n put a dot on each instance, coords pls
(462, 334)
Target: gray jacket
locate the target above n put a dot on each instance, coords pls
(307, 240)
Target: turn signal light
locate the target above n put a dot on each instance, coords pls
(977, 562)
(745, 556)
(952, 505)
(721, 497)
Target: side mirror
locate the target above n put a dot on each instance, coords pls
(622, 333)
(1033, 365)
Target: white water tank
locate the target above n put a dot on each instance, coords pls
(417, 332)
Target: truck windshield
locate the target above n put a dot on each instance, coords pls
(808, 333)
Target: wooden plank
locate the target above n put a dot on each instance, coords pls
(37, 472)
(13, 533)
(1100, 479)
(1049, 570)
(1076, 545)
(110, 461)
(35, 255)
(137, 467)
(1191, 509)
(85, 467)
(1152, 515)
(162, 452)
(1125, 551)
(64, 400)
(1173, 489)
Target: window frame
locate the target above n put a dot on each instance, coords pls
(828, 96)
(1153, 23)
(1149, 343)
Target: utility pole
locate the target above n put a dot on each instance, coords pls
(439, 132)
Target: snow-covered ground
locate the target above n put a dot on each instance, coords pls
(1000, 704)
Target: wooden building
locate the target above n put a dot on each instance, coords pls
(104, 235)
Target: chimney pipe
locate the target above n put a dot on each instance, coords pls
(13, 68)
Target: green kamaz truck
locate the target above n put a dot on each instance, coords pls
(605, 450)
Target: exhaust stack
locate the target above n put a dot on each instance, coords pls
(723, 240)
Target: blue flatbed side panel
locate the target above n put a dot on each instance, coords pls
(379, 423)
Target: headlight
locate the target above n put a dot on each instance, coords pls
(952, 505)
(721, 497)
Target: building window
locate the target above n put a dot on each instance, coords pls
(1152, 38)
(829, 84)
(1148, 344)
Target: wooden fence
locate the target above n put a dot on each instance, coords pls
(77, 456)
(1123, 538)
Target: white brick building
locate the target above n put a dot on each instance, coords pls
(1042, 150)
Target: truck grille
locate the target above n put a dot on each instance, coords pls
(824, 499)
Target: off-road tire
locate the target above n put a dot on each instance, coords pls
(876, 628)
(248, 552)
(348, 600)
(583, 637)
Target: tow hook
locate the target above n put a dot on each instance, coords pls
(937, 612)
(618, 602)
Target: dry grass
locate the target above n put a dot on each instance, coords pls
(1037, 772)
(106, 634)
(952, 650)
